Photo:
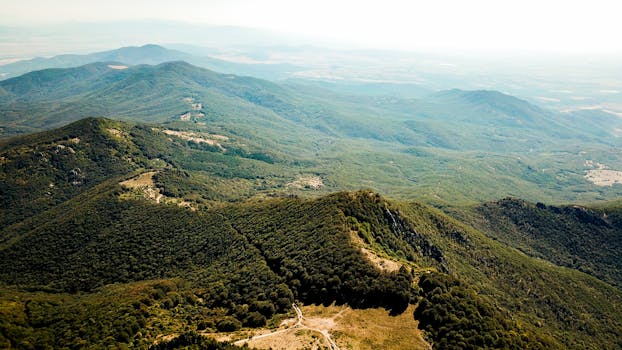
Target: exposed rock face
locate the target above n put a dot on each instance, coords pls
(421, 244)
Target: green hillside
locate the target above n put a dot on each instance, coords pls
(451, 147)
(299, 247)
(40, 171)
(582, 238)
(455, 119)
(162, 236)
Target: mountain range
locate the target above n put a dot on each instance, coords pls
(499, 144)
(151, 203)
(146, 54)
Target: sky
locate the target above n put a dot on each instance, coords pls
(533, 25)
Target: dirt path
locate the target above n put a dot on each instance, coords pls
(299, 324)
(298, 314)
(330, 341)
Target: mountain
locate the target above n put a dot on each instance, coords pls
(491, 120)
(44, 170)
(507, 109)
(148, 93)
(506, 112)
(156, 238)
(41, 171)
(132, 55)
(583, 238)
(455, 119)
(424, 148)
(147, 54)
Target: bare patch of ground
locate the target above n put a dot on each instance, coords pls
(219, 137)
(115, 133)
(295, 339)
(142, 180)
(376, 329)
(346, 328)
(383, 264)
(212, 140)
(195, 107)
(597, 165)
(118, 67)
(186, 204)
(309, 182)
(301, 332)
(145, 183)
(604, 177)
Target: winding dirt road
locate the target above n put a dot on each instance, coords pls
(299, 324)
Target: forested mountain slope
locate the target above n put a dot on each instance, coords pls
(453, 119)
(579, 237)
(452, 146)
(144, 235)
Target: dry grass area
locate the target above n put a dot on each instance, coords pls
(299, 338)
(383, 264)
(116, 133)
(376, 329)
(140, 181)
(117, 67)
(595, 165)
(603, 177)
(312, 182)
(219, 137)
(145, 183)
(210, 139)
(349, 328)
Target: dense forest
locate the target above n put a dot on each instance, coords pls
(455, 317)
(213, 241)
(295, 249)
(586, 239)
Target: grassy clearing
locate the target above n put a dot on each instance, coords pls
(350, 329)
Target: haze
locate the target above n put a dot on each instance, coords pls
(533, 26)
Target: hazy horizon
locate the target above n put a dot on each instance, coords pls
(554, 27)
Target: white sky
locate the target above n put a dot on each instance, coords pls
(535, 25)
